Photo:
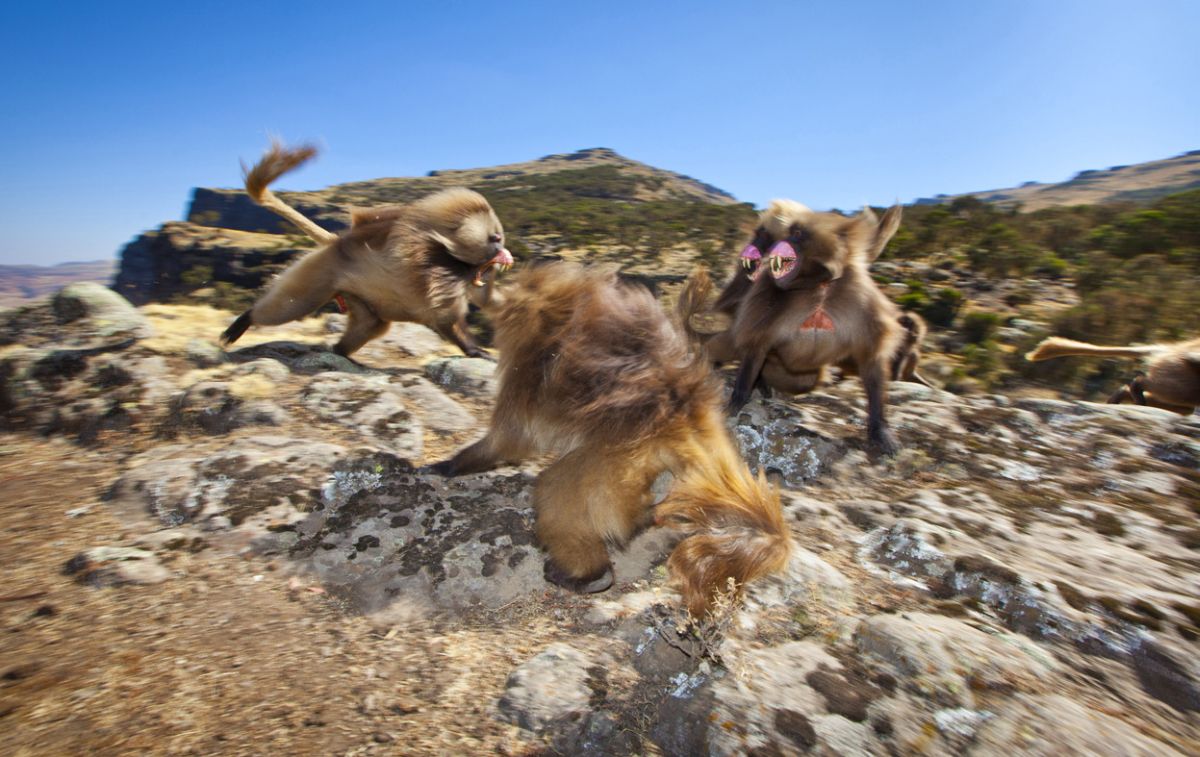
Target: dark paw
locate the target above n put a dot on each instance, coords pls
(736, 402)
(883, 443)
(586, 585)
(445, 468)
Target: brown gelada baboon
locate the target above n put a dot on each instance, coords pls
(816, 306)
(420, 262)
(908, 353)
(1171, 380)
(592, 369)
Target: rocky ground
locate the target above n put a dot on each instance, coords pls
(235, 553)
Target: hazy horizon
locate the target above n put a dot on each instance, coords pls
(113, 114)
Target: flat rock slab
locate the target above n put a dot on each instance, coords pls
(370, 406)
(259, 479)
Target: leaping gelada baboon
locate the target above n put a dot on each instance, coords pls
(593, 370)
(815, 306)
(419, 262)
(1171, 380)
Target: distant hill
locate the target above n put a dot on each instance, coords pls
(1140, 183)
(23, 282)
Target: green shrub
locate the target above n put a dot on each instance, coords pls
(979, 326)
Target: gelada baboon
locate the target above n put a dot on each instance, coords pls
(1171, 380)
(592, 369)
(908, 352)
(420, 262)
(816, 306)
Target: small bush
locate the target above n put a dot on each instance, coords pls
(979, 326)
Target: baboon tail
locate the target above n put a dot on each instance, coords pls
(1059, 347)
(236, 329)
(691, 301)
(734, 526)
(277, 161)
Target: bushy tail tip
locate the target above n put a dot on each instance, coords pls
(691, 300)
(734, 529)
(275, 162)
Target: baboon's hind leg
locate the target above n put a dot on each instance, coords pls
(299, 291)
(362, 325)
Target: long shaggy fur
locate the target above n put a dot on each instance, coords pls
(411, 262)
(593, 370)
(1171, 380)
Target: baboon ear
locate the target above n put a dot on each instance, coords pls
(443, 240)
(884, 231)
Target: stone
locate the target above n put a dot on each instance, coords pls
(549, 688)
(949, 660)
(116, 566)
(471, 376)
(370, 406)
(436, 411)
(260, 478)
(1056, 725)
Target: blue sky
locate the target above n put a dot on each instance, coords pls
(110, 113)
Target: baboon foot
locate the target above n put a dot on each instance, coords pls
(586, 585)
(236, 329)
(883, 442)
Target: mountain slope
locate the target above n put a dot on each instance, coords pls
(1139, 183)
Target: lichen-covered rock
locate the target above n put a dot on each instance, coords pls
(217, 407)
(116, 566)
(369, 405)
(948, 660)
(471, 376)
(80, 316)
(258, 481)
(550, 687)
(1055, 725)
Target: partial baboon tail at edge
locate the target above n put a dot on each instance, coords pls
(1058, 347)
(277, 161)
(733, 523)
(691, 301)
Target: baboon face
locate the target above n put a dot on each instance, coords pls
(464, 223)
(817, 247)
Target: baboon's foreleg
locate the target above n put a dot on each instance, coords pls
(506, 441)
(747, 377)
(874, 379)
(362, 325)
(458, 333)
(583, 500)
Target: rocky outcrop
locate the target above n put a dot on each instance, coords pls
(181, 257)
(1020, 577)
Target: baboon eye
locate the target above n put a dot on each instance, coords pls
(493, 237)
